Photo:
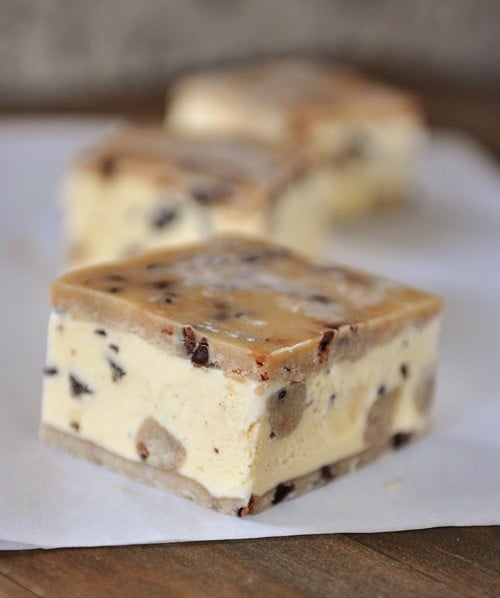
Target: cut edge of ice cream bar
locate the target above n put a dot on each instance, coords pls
(143, 188)
(236, 373)
(369, 131)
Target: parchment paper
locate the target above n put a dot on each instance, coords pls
(447, 241)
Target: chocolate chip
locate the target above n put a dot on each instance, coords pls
(260, 361)
(400, 439)
(200, 356)
(159, 284)
(281, 394)
(264, 377)
(381, 390)
(281, 492)
(78, 388)
(326, 339)
(207, 196)
(242, 511)
(108, 165)
(50, 370)
(75, 425)
(162, 217)
(117, 372)
(319, 298)
(100, 332)
(170, 298)
(114, 348)
(115, 290)
(327, 473)
(333, 397)
(405, 370)
(216, 450)
(115, 277)
(189, 339)
(142, 449)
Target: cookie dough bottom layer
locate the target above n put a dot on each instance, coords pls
(187, 488)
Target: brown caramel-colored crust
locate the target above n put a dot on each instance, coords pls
(250, 308)
(164, 479)
(212, 171)
(172, 481)
(304, 91)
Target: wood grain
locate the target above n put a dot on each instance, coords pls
(439, 562)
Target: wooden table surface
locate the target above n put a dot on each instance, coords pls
(437, 562)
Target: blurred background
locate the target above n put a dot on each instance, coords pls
(118, 56)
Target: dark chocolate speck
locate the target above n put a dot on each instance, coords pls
(207, 196)
(114, 348)
(200, 356)
(282, 394)
(100, 332)
(159, 284)
(108, 165)
(405, 370)
(77, 387)
(162, 217)
(319, 298)
(326, 339)
(50, 370)
(400, 439)
(281, 492)
(117, 372)
(327, 473)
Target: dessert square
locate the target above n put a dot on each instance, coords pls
(144, 188)
(235, 372)
(368, 132)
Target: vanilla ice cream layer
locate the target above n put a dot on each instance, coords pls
(102, 385)
(110, 220)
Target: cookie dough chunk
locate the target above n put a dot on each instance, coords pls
(144, 188)
(367, 132)
(234, 372)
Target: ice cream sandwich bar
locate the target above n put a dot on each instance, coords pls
(368, 132)
(235, 372)
(144, 188)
